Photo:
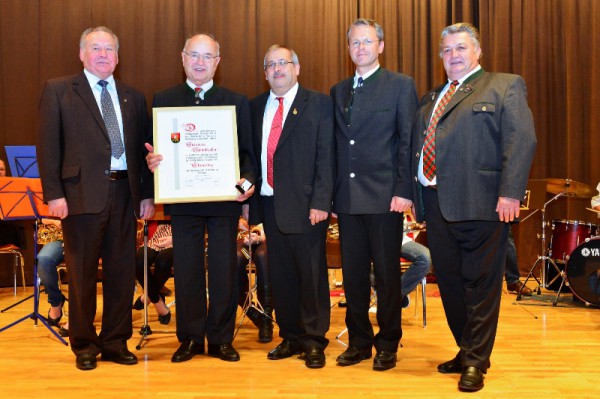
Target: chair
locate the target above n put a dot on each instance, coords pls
(404, 265)
(15, 251)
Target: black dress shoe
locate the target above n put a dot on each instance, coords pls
(63, 332)
(263, 322)
(164, 319)
(224, 352)
(471, 379)
(54, 322)
(122, 356)
(315, 358)
(453, 366)
(353, 355)
(285, 349)
(138, 304)
(85, 361)
(384, 360)
(187, 350)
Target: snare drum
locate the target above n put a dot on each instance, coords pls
(583, 271)
(568, 235)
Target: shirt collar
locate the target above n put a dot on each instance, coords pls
(205, 87)
(93, 79)
(461, 80)
(365, 76)
(287, 97)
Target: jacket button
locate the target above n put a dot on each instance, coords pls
(352, 175)
(107, 172)
(351, 142)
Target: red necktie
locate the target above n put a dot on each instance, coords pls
(198, 90)
(429, 145)
(274, 135)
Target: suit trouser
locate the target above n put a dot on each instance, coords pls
(109, 235)
(469, 259)
(195, 319)
(299, 280)
(375, 240)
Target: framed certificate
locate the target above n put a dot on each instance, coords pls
(200, 154)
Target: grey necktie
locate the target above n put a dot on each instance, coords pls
(110, 121)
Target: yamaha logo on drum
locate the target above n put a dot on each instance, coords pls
(590, 251)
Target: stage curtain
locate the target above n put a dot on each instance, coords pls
(553, 44)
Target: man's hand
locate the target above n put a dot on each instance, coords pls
(243, 197)
(58, 208)
(508, 209)
(400, 204)
(317, 216)
(147, 208)
(152, 159)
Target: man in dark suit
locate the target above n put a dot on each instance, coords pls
(190, 221)
(482, 140)
(374, 111)
(91, 154)
(293, 132)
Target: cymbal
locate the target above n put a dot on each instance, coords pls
(571, 188)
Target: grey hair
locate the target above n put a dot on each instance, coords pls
(204, 34)
(458, 28)
(274, 47)
(97, 29)
(366, 22)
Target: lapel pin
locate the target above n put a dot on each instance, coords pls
(295, 111)
(466, 89)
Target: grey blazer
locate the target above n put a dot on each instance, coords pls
(485, 142)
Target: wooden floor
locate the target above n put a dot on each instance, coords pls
(540, 351)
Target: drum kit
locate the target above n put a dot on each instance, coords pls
(574, 245)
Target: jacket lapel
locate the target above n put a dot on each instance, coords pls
(293, 115)
(82, 87)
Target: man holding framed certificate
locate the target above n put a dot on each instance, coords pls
(193, 218)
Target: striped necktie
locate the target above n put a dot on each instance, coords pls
(429, 168)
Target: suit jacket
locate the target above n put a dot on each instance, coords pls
(183, 96)
(74, 147)
(373, 147)
(485, 142)
(303, 162)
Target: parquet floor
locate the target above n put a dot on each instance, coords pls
(540, 351)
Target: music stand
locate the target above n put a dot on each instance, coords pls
(22, 160)
(22, 199)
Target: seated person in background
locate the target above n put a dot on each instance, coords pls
(596, 200)
(160, 253)
(50, 256)
(263, 322)
(416, 253)
(512, 274)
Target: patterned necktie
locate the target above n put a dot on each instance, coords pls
(429, 145)
(274, 135)
(360, 82)
(110, 121)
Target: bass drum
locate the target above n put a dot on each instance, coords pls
(583, 271)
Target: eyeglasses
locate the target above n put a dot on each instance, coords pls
(365, 42)
(274, 64)
(197, 56)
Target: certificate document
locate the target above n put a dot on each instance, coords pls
(200, 154)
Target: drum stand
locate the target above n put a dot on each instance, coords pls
(542, 259)
(250, 301)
